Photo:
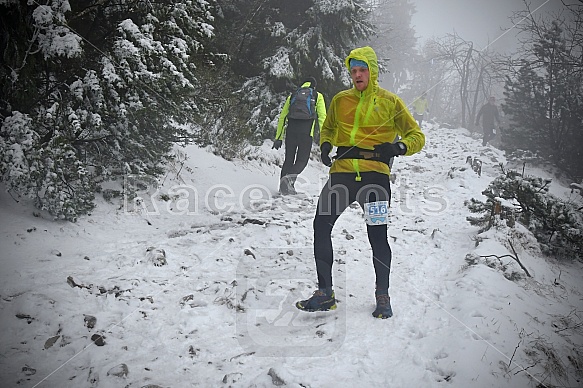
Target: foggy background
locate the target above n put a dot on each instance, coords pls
(482, 22)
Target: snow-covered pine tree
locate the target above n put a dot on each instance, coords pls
(95, 90)
(544, 100)
(556, 224)
(524, 106)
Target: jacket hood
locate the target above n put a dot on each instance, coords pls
(311, 81)
(368, 55)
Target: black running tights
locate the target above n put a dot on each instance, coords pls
(340, 191)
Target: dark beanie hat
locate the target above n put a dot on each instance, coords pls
(312, 81)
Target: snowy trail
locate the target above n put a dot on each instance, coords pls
(221, 310)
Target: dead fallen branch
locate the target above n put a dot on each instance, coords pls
(517, 260)
(500, 257)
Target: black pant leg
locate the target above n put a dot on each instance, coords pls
(291, 148)
(377, 187)
(304, 148)
(488, 135)
(334, 199)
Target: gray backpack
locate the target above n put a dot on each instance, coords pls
(302, 105)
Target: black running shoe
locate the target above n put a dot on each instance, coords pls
(319, 301)
(383, 309)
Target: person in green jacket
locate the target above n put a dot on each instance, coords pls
(301, 124)
(363, 123)
(420, 107)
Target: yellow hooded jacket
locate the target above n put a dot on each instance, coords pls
(420, 105)
(365, 119)
(320, 110)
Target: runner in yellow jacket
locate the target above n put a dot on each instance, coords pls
(298, 139)
(420, 107)
(362, 122)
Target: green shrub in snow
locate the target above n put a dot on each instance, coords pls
(556, 224)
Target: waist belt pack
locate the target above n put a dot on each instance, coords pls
(359, 153)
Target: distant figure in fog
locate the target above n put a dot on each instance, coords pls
(490, 117)
(420, 107)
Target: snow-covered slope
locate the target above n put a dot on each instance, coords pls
(195, 285)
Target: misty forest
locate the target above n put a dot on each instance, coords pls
(94, 91)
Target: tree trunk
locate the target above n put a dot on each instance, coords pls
(464, 84)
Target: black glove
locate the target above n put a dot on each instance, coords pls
(325, 149)
(277, 144)
(389, 150)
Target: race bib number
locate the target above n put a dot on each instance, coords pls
(376, 213)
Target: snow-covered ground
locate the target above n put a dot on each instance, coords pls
(195, 285)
